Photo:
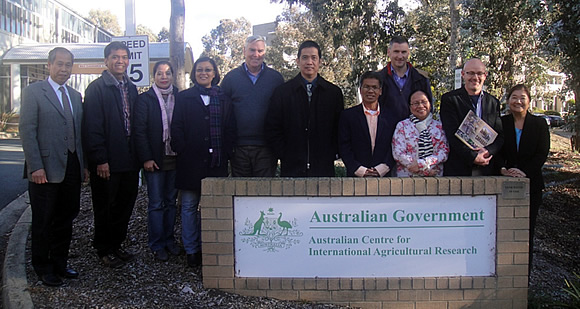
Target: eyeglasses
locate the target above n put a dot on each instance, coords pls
(369, 88)
(417, 103)
(204, 70)
(479, 74)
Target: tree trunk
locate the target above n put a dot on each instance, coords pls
(575, 140)
(454, 16)
(176, 42)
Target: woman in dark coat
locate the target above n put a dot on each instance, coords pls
(525, 149)
(152, 126)
(202, 135)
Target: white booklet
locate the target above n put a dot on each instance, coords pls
(474, 132)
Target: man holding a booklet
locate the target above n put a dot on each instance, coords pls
(474, 137)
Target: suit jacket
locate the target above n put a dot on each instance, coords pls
(354, 141)
(104, 137)
(533, 150)
(304, 135)
(454, 107)
(43, 130)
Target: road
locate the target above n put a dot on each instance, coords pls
(11, 166)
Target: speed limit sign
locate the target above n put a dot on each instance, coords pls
(138, 69)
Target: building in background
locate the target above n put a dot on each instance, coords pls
(553, 95)
(29, 22)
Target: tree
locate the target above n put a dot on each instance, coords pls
(225, 43)
(431, 47)
(506, 36)
(163, 35)
(176, 42)
(559, 32)
(106, 20)
(144, 30)
(294, 27)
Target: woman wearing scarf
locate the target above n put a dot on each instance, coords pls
(419, 143)
(152, 126)
(202, 135)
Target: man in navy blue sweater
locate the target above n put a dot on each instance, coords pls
(249, 88)
(400, 79)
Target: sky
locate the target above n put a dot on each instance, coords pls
(200, 16)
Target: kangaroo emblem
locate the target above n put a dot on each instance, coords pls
(258, 225)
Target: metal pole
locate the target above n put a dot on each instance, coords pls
(130, 26)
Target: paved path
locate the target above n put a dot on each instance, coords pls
(12, 184)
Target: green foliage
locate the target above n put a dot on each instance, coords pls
(225, 43)
(504, 37)
(163, 35)
(358, 30)
(144, 30)
(572, 290)
(555, 113)
(106, 20)
(5, 118)
(294, 27)
(430, 49)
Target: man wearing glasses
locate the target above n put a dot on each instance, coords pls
(249, 88)
(454, 107)
(364, 138)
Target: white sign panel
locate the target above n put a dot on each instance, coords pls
(458, 78)
(427, 236)
(138, 69)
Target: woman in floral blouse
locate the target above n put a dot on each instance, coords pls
(419, 143)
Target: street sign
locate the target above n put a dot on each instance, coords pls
(458, 78)
(138, 69)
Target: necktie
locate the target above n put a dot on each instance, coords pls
(70, 124)
(309, 91)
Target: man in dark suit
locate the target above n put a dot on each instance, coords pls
(50, 131)
(364, 138)
(302, 120)
(108, 141)
(454, 107)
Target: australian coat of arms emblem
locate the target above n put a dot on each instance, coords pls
(271, 231)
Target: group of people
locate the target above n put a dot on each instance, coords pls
(245, 125)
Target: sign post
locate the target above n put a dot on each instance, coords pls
(138, 69)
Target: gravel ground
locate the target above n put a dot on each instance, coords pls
(146, 283)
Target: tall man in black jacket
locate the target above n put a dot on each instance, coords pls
(454, 107)
(302, 119)
(108, 144)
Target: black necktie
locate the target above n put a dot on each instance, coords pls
(70, 124)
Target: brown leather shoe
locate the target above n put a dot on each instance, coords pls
(124, 255)
(112, 261)
(51, 280)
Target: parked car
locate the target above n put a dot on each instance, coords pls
(546, 117)
(556, 121)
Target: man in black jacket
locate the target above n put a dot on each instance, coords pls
(302, 119)
(454, 107)
(108, 144)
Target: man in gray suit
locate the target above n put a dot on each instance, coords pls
(50, 130)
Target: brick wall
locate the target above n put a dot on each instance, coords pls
(508, 289)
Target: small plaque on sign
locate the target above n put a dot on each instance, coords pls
(514, 190)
